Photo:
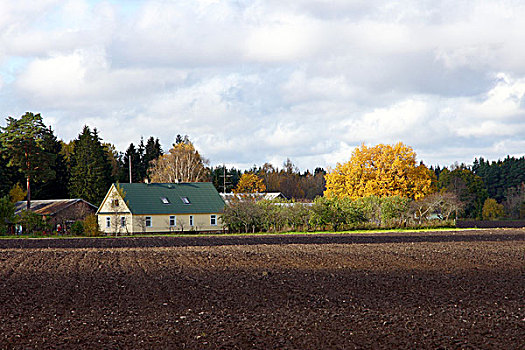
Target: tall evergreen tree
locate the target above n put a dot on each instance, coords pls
(9, 176)
(90, 168)
(221, 176)
(500, 176)
(141, 167)
(131, 154)
(58, 186)
(152, 152)
(468, 188)
(23, 142)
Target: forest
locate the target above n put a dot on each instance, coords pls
(34, 163)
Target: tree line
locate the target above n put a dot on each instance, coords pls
(34, 163)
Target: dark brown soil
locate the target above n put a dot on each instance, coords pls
(407, 291)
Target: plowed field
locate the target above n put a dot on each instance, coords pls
(405, 291)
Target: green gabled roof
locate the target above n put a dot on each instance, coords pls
(144, 198)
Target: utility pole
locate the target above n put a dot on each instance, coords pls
(224, 176)
(130, 181)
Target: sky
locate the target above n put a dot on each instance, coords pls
(262, 81)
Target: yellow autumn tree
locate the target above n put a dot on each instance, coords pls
(382, 170)
(182, 163)
(250, 183)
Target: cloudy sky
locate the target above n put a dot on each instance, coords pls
(257, 81)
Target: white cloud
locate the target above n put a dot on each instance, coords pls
(254, 81)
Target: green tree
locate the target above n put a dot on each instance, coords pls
(9, 176)
(90, 168)
(17, 193)
(56, 187)
(23, 142)
(90, 225)
(152, 151)
(468, 188)
(335, 212)
(492, 210)
(33, 223)
(133, 155)
(225, 179)
(7, 214)
(394, 210)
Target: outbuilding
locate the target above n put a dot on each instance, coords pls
(60, 214)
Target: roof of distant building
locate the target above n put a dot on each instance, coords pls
(48, 206)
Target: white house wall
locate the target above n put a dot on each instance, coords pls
(160, 223)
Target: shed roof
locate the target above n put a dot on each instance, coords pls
(172, 198)
(228, 197)
(48, 206)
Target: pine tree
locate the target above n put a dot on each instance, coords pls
(90, 168)
(22, 142)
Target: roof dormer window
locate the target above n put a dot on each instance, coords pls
(185, 200)
(165, 200)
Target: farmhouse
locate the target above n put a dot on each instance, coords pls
(59, 212)
(160, 208)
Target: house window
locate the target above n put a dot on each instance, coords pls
(185, 200)
(213, 220)
(108, 222)
(173, 221)
(122, 221)
(148, 221)
(115, 202)
(191, 220)
(165, 200)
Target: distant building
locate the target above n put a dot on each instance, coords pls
(59, 212)
(161, 208)
(228, 197)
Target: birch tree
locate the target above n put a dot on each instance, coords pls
(182, 163)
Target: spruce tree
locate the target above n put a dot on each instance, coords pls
(152, 152)
(133, 154)
(90, 168)
(56, 188)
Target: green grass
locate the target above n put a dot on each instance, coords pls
(370, 231)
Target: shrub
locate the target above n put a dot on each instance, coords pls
(33, 223)
(7, 214)
(90, 226)
(492, 210)
(77, 229)
(337, 213)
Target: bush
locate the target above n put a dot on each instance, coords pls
(337, 213)
(243, 215)
(7, 214)
(492, 210)
(90, 226)
(77, 229)
(33, 223)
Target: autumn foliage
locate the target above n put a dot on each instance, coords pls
(182, 163)
(250, 183)
(382, 170)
